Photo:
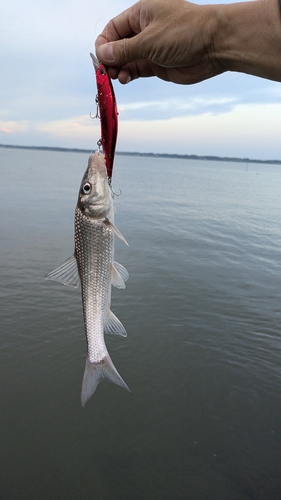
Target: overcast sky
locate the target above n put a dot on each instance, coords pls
(47, 87)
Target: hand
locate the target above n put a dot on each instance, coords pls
(164, 38)
(186, 43)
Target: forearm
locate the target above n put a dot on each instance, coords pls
(247, 38)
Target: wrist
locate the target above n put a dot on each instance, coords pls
(247, 38)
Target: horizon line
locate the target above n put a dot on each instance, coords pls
(149, 154)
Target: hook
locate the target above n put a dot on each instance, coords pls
(113, 192)
(97, 111)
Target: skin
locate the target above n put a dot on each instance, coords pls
(185, 43)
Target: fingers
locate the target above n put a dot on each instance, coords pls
(125, 38)
(126, 50)
(125, 25)
(121, 26)
(139, 69)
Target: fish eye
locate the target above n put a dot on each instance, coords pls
(86, 188)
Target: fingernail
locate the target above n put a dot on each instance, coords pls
(129, 79)
(106, 53)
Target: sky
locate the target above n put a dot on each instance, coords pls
(48, 88)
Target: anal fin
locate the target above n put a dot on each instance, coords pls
(118, 275)
(114, 325)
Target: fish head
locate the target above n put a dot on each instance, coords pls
(95, 197)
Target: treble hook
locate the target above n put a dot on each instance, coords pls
(97, 111)
(113, 192)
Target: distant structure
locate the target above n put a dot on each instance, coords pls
(148, 155)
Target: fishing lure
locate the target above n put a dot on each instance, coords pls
(108, 114)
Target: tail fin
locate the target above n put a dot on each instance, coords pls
(97, 372)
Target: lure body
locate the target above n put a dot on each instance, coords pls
(108, 114)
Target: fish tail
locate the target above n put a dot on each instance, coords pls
(97, 372)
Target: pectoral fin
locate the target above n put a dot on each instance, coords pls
(117, 232)
(66, 273)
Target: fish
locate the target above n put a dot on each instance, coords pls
(108, 114)
(94, 267)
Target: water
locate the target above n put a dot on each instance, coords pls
(202, 356)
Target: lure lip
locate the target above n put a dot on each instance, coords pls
(95, 60)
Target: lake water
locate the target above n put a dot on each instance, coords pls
(202, 357)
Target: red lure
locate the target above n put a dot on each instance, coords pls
(108, 114)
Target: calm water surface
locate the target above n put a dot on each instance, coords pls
(202, 356)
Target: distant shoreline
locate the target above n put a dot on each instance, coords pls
(149, 155)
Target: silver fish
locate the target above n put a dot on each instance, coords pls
(93, 265)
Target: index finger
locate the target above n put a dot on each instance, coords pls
(122, 26)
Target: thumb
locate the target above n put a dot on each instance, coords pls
(122, 51)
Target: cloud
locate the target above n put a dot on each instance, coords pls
(80, 131)
(150, 98)
(11, 127)
(174, 107)
(53, 25)
(250, 130)
(77, 128)
(247, 131)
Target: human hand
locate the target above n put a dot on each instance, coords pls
(186, 43)
(161, 38)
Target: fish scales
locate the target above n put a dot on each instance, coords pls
(94, 256)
